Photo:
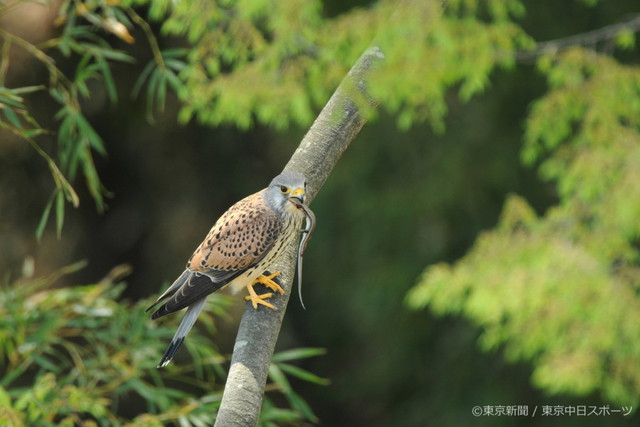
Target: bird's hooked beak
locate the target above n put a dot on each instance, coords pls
(298, 195)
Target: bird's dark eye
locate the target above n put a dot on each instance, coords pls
(284, 189)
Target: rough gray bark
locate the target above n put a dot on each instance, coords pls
(338, 123)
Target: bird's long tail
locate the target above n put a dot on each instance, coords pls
(185, 326)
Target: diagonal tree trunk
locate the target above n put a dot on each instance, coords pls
(336, 126)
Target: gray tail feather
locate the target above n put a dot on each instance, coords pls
(185, 326)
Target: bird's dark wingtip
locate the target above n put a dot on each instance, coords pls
(170, 352)
(159, 312)
(155, 304)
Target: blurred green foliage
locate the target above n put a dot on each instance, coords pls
(562, 290)
(276, 63)
(77, 140)
(256, 61)
(76, 355)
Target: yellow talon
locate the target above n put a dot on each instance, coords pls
(269, 282)
(259, 299)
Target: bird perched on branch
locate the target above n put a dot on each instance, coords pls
(240, 247)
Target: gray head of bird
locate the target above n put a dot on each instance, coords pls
(285, 191)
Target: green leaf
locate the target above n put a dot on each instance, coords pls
(298, 353)
(84, 72)
(12, 116)
(117, 55)
(143, 77)
(141, 388)
(12, 100)
(44, 217)
(303, 374)
(175, 64)
(93, 182)
(5, 399)
(27, 89)
(59, 213)
(278, 377)
(107, 78)
(32, 133)
(161, 90)
(45, 363)
(174, 81)
(87, 131)
(301, 405)
(626, 39)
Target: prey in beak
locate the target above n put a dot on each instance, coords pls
(297, 196)
(310, 224)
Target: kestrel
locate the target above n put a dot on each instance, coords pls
(240, 247)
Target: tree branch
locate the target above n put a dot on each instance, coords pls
(336, 126)
(583, 39)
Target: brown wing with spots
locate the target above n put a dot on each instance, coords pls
(239, 239)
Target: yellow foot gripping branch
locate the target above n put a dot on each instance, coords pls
(260, 299)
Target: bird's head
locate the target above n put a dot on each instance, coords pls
(285, 191)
